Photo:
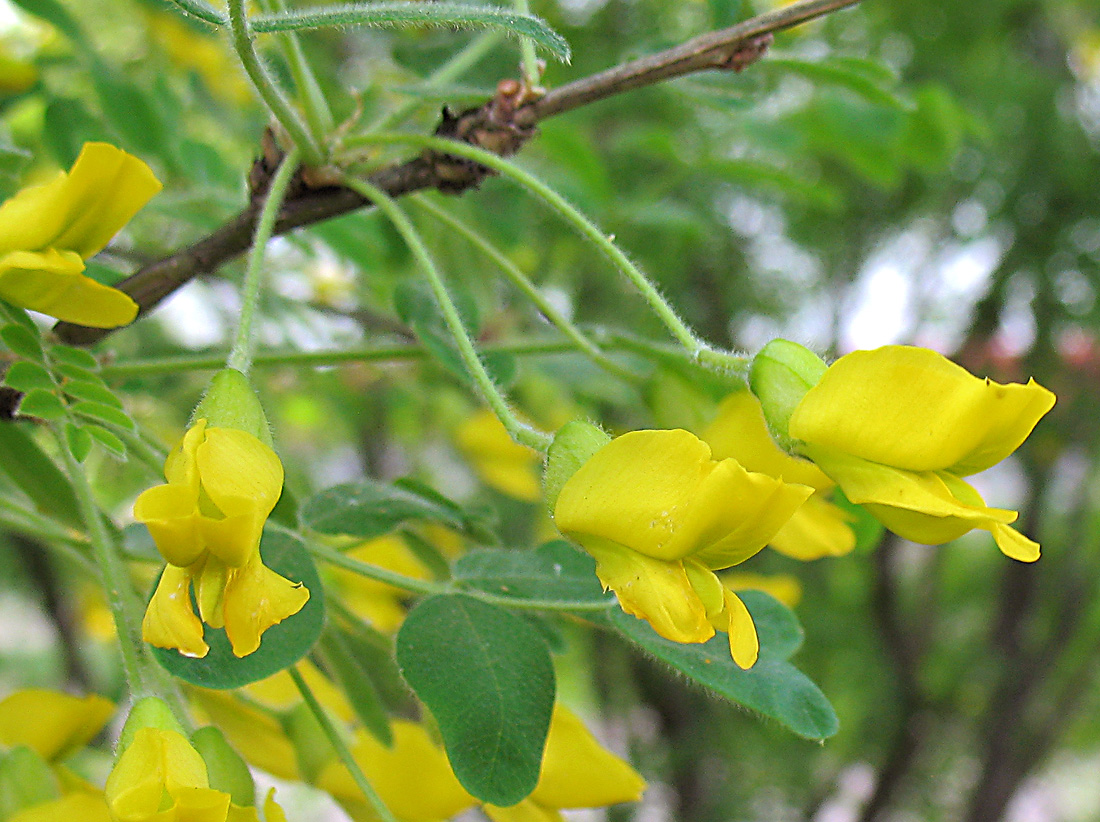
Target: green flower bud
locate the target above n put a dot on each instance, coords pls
(781, 375)
(225, 768)
(150, 712)
(26, 780)
(230, 402)
(573, 446)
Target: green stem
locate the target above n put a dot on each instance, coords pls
(529, 61)
(524, 284)
(240, 357)
(375, 572)
(684, 335)
(67, 544)
(203, 11)
(144, 676)
(318, 115)
(518, 430)
(341, 747)
(450, 71)
(271, 95)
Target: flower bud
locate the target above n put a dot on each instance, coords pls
(230, 402)
(781, 375)
(225, 768)
(573, 446)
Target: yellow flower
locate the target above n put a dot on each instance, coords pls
(161, 778)
(207, 522)
(85, 807)
(502, 464)
(413, 778)
(48, 231)
(898, 427)
(577, 772)
(659, 516)
(818, 528)
(52, 724)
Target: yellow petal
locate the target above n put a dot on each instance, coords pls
(171, 514)
(501, 463)
(169, 620)
(76, 807)
(413, 778)
(255, 734)
(744, 643)
(255, 599)
(739, 432)
(525, 811)
(578, 772)
(279, 692)
(199, 805)
(272, 811)
(651, 589)
(157, 762)
(1014, 544)
(181, 466)
(82, 210)
(52, 282)
(783, 587)
(916, 410)
(50, 723)
(817, 529)
(210, 582)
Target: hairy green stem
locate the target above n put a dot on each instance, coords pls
(684, 335)
(312, 99)
(517, 429)
(244, 344)
(375, 572)
(265, 86)
(524, 284)
(340, 746)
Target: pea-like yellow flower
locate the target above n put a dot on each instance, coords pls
(659, 515)
(576, 772)
(413, 777)
(207, 522)
(818, 528)
(50, 723)
(899, 427)
(502, 464)
(47, 232)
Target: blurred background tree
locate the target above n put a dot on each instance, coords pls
(899, 172)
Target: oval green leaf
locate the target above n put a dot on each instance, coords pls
(555, 572)
(486, 675)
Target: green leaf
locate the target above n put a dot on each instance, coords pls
(282, 645)
(67, 126)
(43, 404)
(356, 682)
(79, 440)
(486, 676)
(555, 572)
(368, 509)
(95, 392)
(76, 372)
(103, 413)
(22, 341)
(37, 475)
(115, 446)
(67, 355)
(441, 13)
(772, 687)
(26, 376)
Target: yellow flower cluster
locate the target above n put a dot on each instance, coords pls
(207, 521)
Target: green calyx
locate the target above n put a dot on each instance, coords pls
(230, 402)
(150, 712)
(225, 768)
(780, 376)
(573, 446)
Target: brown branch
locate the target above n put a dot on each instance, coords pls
(501, 125)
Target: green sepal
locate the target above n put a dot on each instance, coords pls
(230, 402)
(150, 712)
(573, 446)
(780, 376)
(225, 769)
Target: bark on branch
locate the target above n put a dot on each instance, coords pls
(501, 125)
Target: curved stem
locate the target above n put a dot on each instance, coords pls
(524, 284)
(341, 748)
(376, 572)
(240, 357)
(517, 430)
(684, 335)
(265, 86)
